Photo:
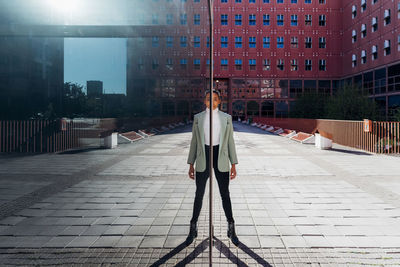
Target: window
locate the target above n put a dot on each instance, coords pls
(196, 41)
(183, 41)
(266, 1)
(308, 42)
(238, 64)
(154, 41)
(353, 36)
(386, 17)
(238, 19)
(280, 64)
(398, 42)
(398, 10)
(183, 63)
(252, 1)
(322, 42)
(280, 42)
(224, 64)
(386, 48)
(238, 42)
(196, 20)
(169, 64)
(354, 60)
(308, 65)
(140, 64)
(293, 65)
(322, 20)
(155, 63)
(170, 19)
(183, 19)
(294, 42)
(224, 41)
(280, 20)
(353, 12)
(224, 19)
(293, 20)
(307, 1)
(363, 5)
(252, 64)
(266, 64)
(154, 19)
(363, 30)
(293, 1)
(322, 65)
(374, 52)
(208, 41)
(266, 20)
(363, 57)
(266, 42)
(170, 41)
(374, 24)
(222, 1)
(374, 2)
(238, 1)
(252, 42)
(252, 19)
(308, 20)
(322, 1)
(279, 1)
(196, 63)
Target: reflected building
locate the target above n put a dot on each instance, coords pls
(31, 76)
(267, 53)
(94, 88)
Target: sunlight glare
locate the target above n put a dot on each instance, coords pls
(64, 6)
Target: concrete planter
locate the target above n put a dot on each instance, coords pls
(322, 142)
(111, 141)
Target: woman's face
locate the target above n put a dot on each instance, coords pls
(216, 100)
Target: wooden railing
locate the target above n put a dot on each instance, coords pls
(384, 137)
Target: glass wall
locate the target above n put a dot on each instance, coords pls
(100, 58)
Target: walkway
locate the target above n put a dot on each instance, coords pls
(294, 205)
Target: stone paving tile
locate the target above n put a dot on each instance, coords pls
(289, 208)
(60, 164)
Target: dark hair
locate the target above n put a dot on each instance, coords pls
(214, 91)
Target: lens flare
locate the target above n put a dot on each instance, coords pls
(64, 6)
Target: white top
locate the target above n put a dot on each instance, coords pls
(216, 127)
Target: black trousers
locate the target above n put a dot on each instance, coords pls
(223, 184)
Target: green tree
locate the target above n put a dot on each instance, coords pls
(309, 106)
(74, 100)
(396, 114)
(350, 104)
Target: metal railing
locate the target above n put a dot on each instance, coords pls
(383, 137)
(47, 136)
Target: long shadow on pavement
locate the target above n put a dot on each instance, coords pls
(200, 248)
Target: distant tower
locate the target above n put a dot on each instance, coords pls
(94, 88)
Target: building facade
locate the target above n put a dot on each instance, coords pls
(266, 53)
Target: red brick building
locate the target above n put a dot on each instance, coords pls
(267, 52)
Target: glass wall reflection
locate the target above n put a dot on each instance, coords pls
(97, 58)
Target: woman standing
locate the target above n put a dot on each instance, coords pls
(223, 151)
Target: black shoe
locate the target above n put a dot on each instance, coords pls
(192, 233)
(232, 234)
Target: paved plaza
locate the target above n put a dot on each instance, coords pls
(294, 205)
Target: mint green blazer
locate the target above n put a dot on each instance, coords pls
(227, 149)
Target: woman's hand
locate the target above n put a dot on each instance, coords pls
(191, 172)
(233, 171)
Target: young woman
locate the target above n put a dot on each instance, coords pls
(223, 151)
